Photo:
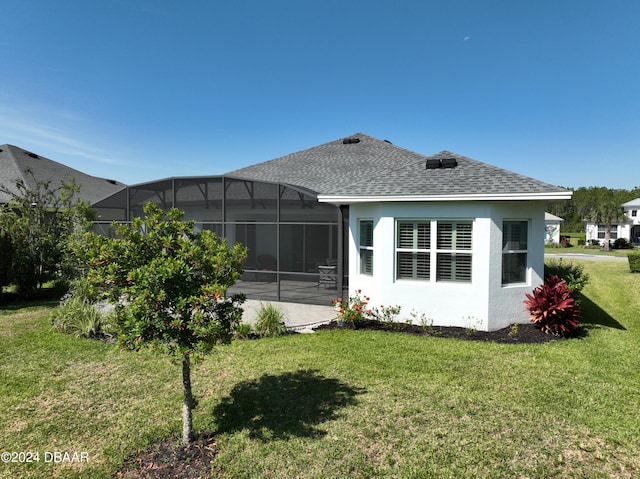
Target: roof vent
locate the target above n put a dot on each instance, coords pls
(436, 163)
(448, 163)
(433, 163)
(32, 155)
(348, 141)
(113, 182)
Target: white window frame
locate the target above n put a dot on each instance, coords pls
(416, 250)
(365, 251)
(457, 251)
(438, 253)
(510, 250)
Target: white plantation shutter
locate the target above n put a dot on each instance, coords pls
(452, 264)
(412, 259)
(453, 246)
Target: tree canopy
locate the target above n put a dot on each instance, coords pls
(588, 203)
(37, 225)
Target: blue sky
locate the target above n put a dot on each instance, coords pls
(138, 90)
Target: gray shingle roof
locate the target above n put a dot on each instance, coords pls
(377, 168)
(14, 163)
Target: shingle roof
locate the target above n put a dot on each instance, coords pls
(14, 163)
(376, 168)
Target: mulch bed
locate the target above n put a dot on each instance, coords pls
(518, 334)
(170, 460)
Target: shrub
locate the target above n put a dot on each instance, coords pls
(572, 274)
(621, 243)
(634, 262)
(79, 315)
(552, 308)
(353, 311)
(243, 331)
(387, 315)
(270, 321)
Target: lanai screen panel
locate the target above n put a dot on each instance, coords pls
(251, 201)
(159, 192)
(112, 208)
(200, 198)
(297, 206)
(304, 247)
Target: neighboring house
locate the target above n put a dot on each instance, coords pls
(552, 228)
(448, 238)
(15, 164)
(628, 229)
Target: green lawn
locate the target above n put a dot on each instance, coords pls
(341, 403)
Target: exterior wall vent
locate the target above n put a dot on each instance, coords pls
(348, 141)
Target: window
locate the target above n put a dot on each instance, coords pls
(413, 242)
(453, 261)
(419, 242)
(602, 230)
(366, 247)
(634, 213)
(514, 251)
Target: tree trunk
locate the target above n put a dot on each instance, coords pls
(187, 426)
(607, 237)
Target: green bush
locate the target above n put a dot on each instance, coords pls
(572, 274)
(77, 314)
(621, 243)
(243, 331)
(270, 321)
(634, 262)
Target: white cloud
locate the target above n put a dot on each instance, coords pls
(58, 131)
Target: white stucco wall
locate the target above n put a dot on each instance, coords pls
(482, 304)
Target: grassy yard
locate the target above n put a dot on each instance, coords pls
(341, 403)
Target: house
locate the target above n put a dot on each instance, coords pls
(628, 229)
(16, 163)
(552, 228)
(444, 236)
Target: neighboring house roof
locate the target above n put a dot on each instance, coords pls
(15, 162)
(362, 168)
(550, 217)
(633, 204)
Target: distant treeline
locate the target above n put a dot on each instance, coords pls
(584, 201)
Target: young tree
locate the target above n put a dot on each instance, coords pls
(169, 285)
(39, 221)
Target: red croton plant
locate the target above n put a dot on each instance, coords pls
(552, 308)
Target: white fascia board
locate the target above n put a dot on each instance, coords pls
(556, 195)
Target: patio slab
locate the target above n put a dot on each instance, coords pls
(298, 317)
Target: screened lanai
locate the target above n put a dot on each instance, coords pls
(296, 244)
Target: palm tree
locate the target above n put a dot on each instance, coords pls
(605, 208)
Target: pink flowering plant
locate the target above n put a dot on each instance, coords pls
(354, 310)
